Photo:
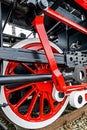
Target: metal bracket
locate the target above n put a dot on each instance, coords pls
(3, 105)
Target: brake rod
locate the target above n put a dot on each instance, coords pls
(30, 78)
(8, 80)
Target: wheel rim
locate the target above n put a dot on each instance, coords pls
(32, 103)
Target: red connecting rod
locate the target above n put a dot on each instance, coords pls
(59, 17)
(56, 75)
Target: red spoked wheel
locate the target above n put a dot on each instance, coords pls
(31, 105)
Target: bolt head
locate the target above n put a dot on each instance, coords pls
(43, 4)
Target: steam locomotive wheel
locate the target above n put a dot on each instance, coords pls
(31, 105)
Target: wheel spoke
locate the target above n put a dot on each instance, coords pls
(24, 98)
(50, 102)
(12, 67)
(19, 88)
(28, 68)
(41, 104)
(32, 104)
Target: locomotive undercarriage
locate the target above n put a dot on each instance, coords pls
(39, 78)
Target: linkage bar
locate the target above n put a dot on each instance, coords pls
(70, 59)
(25, 55)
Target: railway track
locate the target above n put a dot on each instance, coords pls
(67, 118)
(64, 121)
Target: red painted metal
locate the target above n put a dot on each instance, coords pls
(56, 74)
(59, 17)
(72, 88)
(41, 90)
(85, 97)
(82, 3)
